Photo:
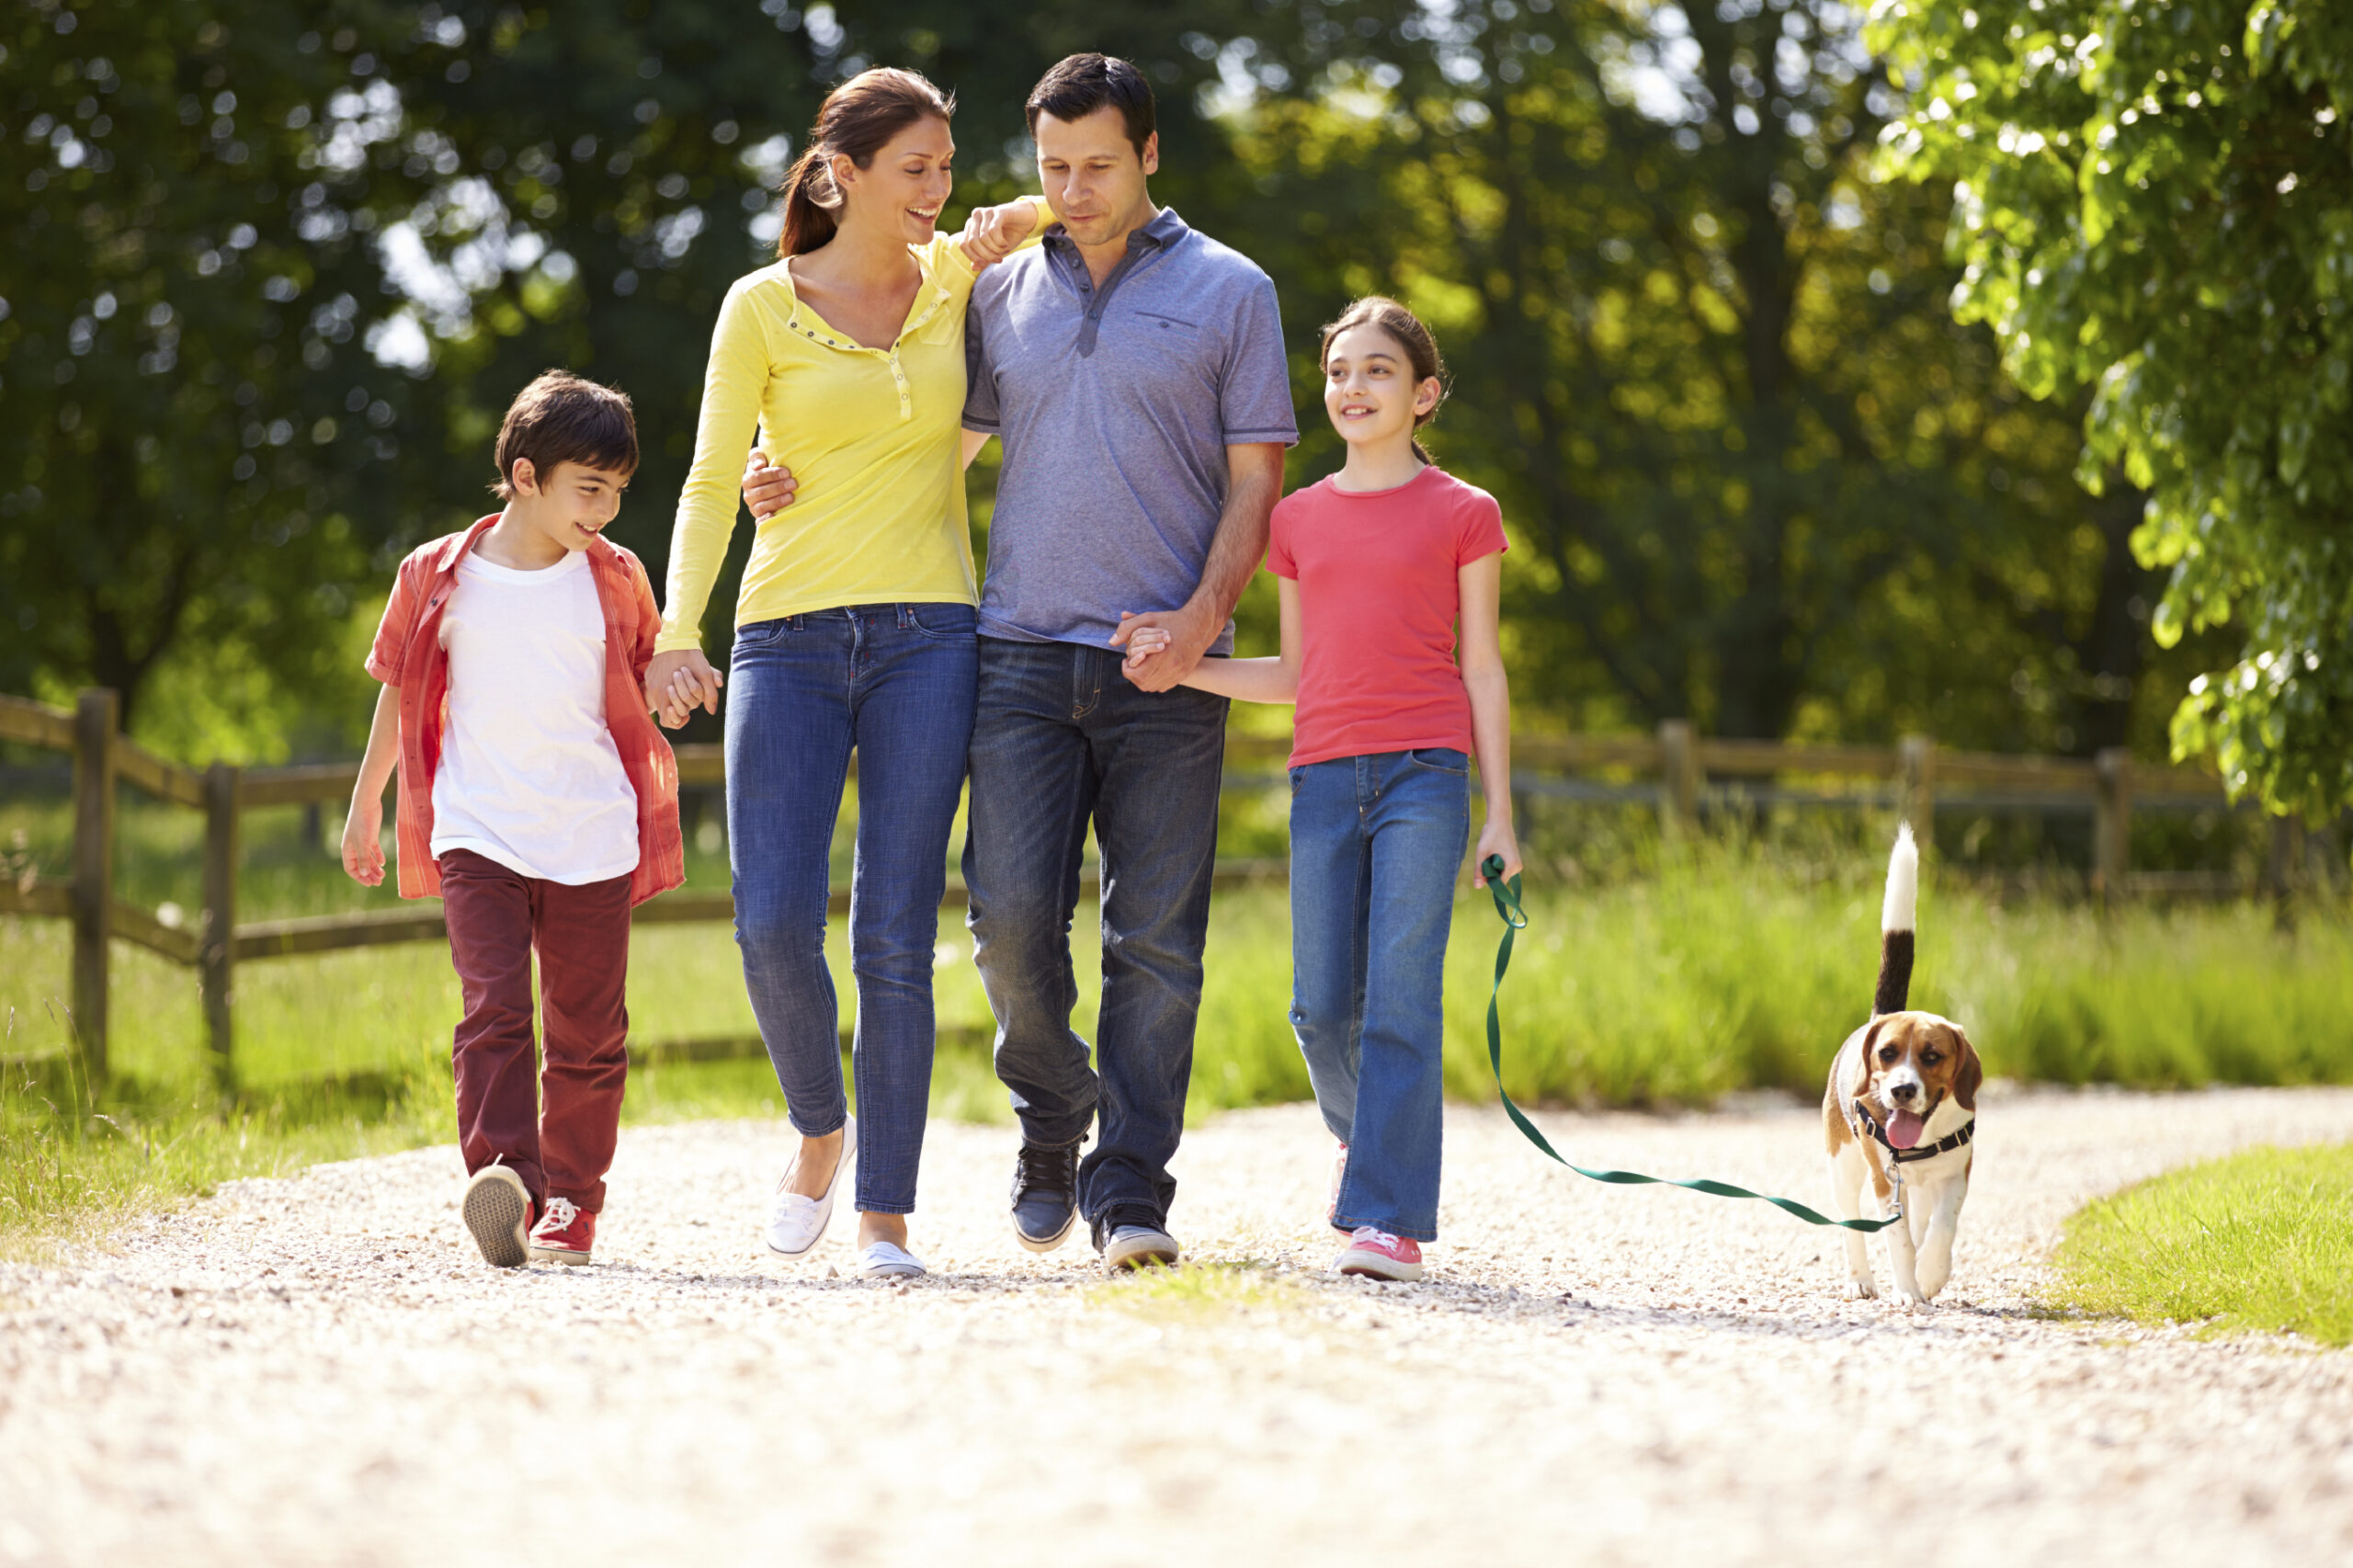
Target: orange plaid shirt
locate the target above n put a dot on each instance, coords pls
(408, 654)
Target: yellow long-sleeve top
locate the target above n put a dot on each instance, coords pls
(870, 435)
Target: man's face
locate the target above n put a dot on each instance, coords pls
(1094, 177)
(572, 502)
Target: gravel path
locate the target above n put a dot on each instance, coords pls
(320, 1370)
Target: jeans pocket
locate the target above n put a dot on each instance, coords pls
(760, 633)
(946, 621)
(1439, 759)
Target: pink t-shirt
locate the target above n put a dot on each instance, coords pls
(1377, 598)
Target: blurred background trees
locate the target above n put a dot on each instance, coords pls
(278, 268)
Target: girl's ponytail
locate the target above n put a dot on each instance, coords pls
(1421, 349)
(858, 119)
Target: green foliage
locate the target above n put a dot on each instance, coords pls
(2255, 1242)
(2156, 202)
(1760, 476)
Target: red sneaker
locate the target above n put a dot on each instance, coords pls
(499, 1212)
(1377, 1255)
(565, 1234)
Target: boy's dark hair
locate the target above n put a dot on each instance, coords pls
(561, 418)
(1082, 83)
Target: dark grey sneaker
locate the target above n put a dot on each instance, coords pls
(1045, 1195)
(1139, 1246)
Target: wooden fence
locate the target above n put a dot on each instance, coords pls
(1680, 771)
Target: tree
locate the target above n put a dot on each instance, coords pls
(1702, 357)
(190, 429)
(2154, 205)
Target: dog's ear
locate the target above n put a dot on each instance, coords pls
(1866, 1058)
(1968, 1073)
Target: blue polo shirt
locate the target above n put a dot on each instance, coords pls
(1115, 406)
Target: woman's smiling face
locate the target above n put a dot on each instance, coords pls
(908, 182)
(1369, 386)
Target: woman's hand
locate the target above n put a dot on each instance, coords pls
(991, 232)
(1496, 838)
(678, 682)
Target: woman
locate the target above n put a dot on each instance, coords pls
(855, 629)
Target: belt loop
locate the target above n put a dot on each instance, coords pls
(906, 618)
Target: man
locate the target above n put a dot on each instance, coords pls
(1134, 370)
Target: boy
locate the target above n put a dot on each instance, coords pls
(537, 798)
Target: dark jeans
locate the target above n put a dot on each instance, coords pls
(894, 682)
(1376, 844)
(496, 916)
(1062, 738)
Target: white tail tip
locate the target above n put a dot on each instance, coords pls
(1901, 908)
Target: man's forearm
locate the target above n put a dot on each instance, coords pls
(1239, 545)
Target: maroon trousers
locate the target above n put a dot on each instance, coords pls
(496, 918)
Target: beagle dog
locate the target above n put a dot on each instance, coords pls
(1901, 1110)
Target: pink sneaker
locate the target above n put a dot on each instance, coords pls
(1377, 1255)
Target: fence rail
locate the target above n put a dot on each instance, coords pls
(1672, 767)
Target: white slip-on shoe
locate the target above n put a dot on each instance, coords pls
(888, 1260)
(797, 1224)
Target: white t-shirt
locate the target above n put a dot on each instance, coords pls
(529, 775)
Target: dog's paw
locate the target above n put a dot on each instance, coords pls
(1914, 1302)
(1861, 1290)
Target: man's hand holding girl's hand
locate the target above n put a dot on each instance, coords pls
(363, 844)
(1496, 838)
(1161, 645)
(678, 682)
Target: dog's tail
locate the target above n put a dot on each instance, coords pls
(1897, 914)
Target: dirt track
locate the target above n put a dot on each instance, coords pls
(318, 1370)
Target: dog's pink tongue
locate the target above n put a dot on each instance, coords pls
(1904, 1129)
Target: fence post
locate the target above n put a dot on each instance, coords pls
(1918, 755)
(93, 768)
(1678, 775)
(2280, 872)
(2111, 823)
(217, 957)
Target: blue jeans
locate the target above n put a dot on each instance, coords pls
(1063, 738)
(894, 682)
(1376, 843)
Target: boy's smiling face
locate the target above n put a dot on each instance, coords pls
(568, 507)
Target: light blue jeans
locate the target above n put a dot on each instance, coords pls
(1376, 843)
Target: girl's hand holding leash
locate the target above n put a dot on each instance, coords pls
(1495, 839)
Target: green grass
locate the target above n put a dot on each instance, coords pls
(1686, 977)
(2257, 1241)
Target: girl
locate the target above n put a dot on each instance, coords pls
(1378, 564)
(854, 628)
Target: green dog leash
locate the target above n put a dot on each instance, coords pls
(1515, 919)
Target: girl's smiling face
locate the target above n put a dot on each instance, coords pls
(1368, 387)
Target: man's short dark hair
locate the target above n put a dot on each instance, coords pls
(1083, 83)
(561, 418)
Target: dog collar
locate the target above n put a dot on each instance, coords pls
(1944, 1145)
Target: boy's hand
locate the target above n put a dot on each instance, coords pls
(363, 846)
(678, 682)
(1142, 641)
(767, 491)
(1496, 838)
